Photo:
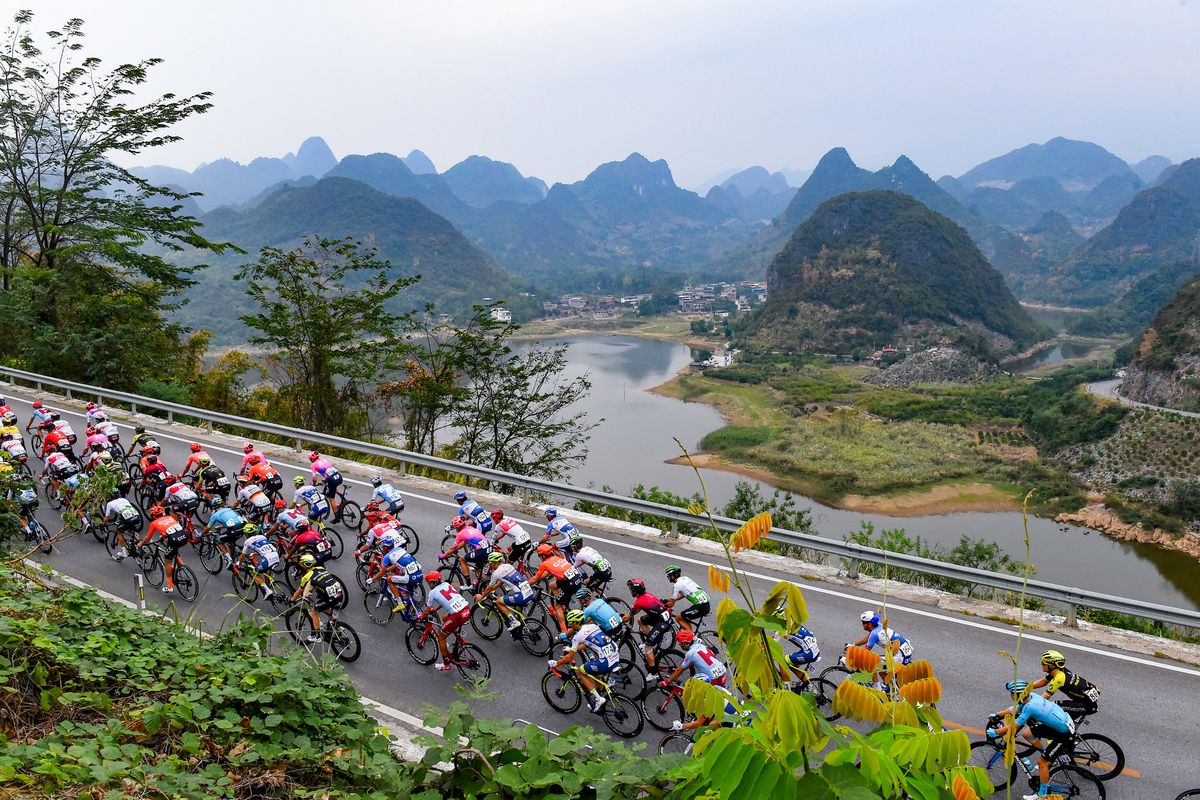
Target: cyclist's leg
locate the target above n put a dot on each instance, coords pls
(170, 569)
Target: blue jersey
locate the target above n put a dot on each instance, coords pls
(604, 615)
(388, 494)
(702, 660)
(313, 498)
(1039, 710)
(472, 510)
(402, 560)
(806, 643)
(882, 635)
(226, 518)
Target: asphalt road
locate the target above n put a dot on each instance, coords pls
(1151, 706)
(1109, 390)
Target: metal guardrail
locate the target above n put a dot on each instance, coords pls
(1070, 597)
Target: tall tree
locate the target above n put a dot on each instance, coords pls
(327, 321)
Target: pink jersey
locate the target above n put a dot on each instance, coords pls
(320, 465)
(248, 456)
(96, 437)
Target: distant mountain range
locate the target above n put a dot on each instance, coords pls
(866, 269)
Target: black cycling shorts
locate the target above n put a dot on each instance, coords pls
(1054, 743)
(566, 591)
(332, 482)
(696, 612)
(130, 525)
(228, 535)
(599, 579)
(658, 630)
(1078, 708)
(174, 544)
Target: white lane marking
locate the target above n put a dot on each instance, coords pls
(818, 589)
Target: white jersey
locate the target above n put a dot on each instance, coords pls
(120, 509)
(590, 637)
(689, 590)
(510, 527)
(261, 546)
(512, 580)
(589, 556)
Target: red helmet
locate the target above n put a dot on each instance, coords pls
(314, 455)
(545, 550)
(280, 504)
(685, 636)
(90, 406)
(254, 459)
(37, 403)
(147, 450)
(156, 511)
(433, 576)
(373, 513)
(497, 514)
(195, 446)
(303, 525)
(458, 522)
(247, 447)
(89, 431)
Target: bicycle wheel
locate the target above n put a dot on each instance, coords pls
(661, 707)
(41, 535)
(378, 606)
(186, 583)
(244, 585)
(629, 679)
(211, 557)
(623, 716)
(1190, 794)
(822, 691)
(99, 532)
(486, 621)
(472, 662)
(54, 499)
(835, 675)
(423, 648)
(411, 542)
(562, 693)
(990, 758)
(620, 606)
(345, 601)
(710, 638)
(1099, 755)
(535, 638)
(152, 567)
(668, 660)
(203, 512)
(360, 576)
(678, 743)
(295, 618)
(343, 642)
(134, 472)
(351, 514)
(1072, 781)
(336, 545)
(278, 597)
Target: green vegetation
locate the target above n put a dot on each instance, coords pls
(868, 268)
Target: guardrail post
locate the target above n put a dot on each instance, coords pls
(210, 430)
(298, 447)
(133, 408)
(69, 393)
(139, 589)
(674, 529)
(852, 568)
(1072, 621)
(170, 417)
(38, 385)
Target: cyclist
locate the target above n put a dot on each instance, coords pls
(1082, 697)
(286, 520)
(879, 634)
(1046, 720)
(582, 555)
(558, 528)
(474, 546)
(181, 497)
(600, 612)
(107, 429)
(59, 468)
(806, 654)
(97, 453)
(249, 450)
(228, 525)
(121, 513)
(193, 462)
(397, 567)
(389, 496)
(507, 526)
(326, 475)
(381, 524)
(308, 539)
(654, 622)
(323, 586)
(470, 509)
(142, 440)
(567, 581)
(213, 482)
(251, 497)
(265, 475)
(94, 413)
(517, 591)
(94, 437)
(444, 597)
(57, 441)
(155, 477)
(258, 549)
(173, 537)
(704, 664)
(316, 506)
(684, 588)
(40, 414)
(604, 657)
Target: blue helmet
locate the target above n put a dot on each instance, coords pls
(1016, 687)
(869, 616)
(460, 497)
(551, 512)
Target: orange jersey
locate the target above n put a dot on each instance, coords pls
(163, 527)
(260, 472)
(557, 566)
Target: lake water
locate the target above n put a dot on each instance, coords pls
(635, 440)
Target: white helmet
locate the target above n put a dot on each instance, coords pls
(389, 539)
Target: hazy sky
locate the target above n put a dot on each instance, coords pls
(558, 87)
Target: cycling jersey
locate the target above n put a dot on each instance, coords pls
(171, 532)
(882, 634)
(96, 438)
(122, 512)
(375, 531)
(14, 448)
(1073, 686)
(215, 480)
(254, 496)
(603, 614)
(59, 465)
(514, 584)
(325, 583)
(108, 430)
(193, 461)
(226, 518)
(64, 427)
(407, 569)
(808, 651)
(563, 529)
(510, 527)
(447, 599)
(311, 496)
(687, 588)
(182, 495)
(560, 568)
(390, 496)
(55, 441)
(264, 474)
(290, 518)
(246, 458)
(95, 415)
(259, 548)
(472, 540)
(652, 606)
(588, 556)
(593, 641)
(701, 659)
(1040, 711)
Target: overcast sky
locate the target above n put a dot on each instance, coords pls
(558, 87)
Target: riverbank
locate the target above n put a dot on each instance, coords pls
(664, 328)
(1100, 518)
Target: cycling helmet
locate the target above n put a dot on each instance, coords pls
(551, 512)
(95, 446)
(37, 403)
(636, 586)
(495, 557)
(254, 459)
(575, 617)
(583, 595)
(140, 429)
(376, 480)
(497, 514)
(1013, 687)
(114, 494)
(308, 561)
(576, 540)
(247, 447)
(147, 450)
(298, 480)
(458, 523)
(151, 459)
(685, 636)
(250, 529)
(460, 497)
(314, 455)
(545, 550)
(433, 576)
(389, 539)
(869, 617)
(672, 569)
(303, 525)
(195, 447)
(204, 461)
(280, 504)
(90, 406)
(100, 416)
(1053, 658)
(104, 456)
(216, 502)
(374, 514)
(156, 511)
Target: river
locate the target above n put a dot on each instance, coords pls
(635, 440)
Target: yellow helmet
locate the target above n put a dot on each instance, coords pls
(1053, 658)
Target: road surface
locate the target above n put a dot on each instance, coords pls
(1109, 390)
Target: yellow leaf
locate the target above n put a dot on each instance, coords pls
(786, 600)
(915, 671)
(901, 714)
(962, 790)
(718, 580)
(751, 531)
(696, 508)
(860, 659)
(858, 702)
(926, 691)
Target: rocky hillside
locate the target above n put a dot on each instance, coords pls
(1165, 368)
(872, 268)
(935, 365)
